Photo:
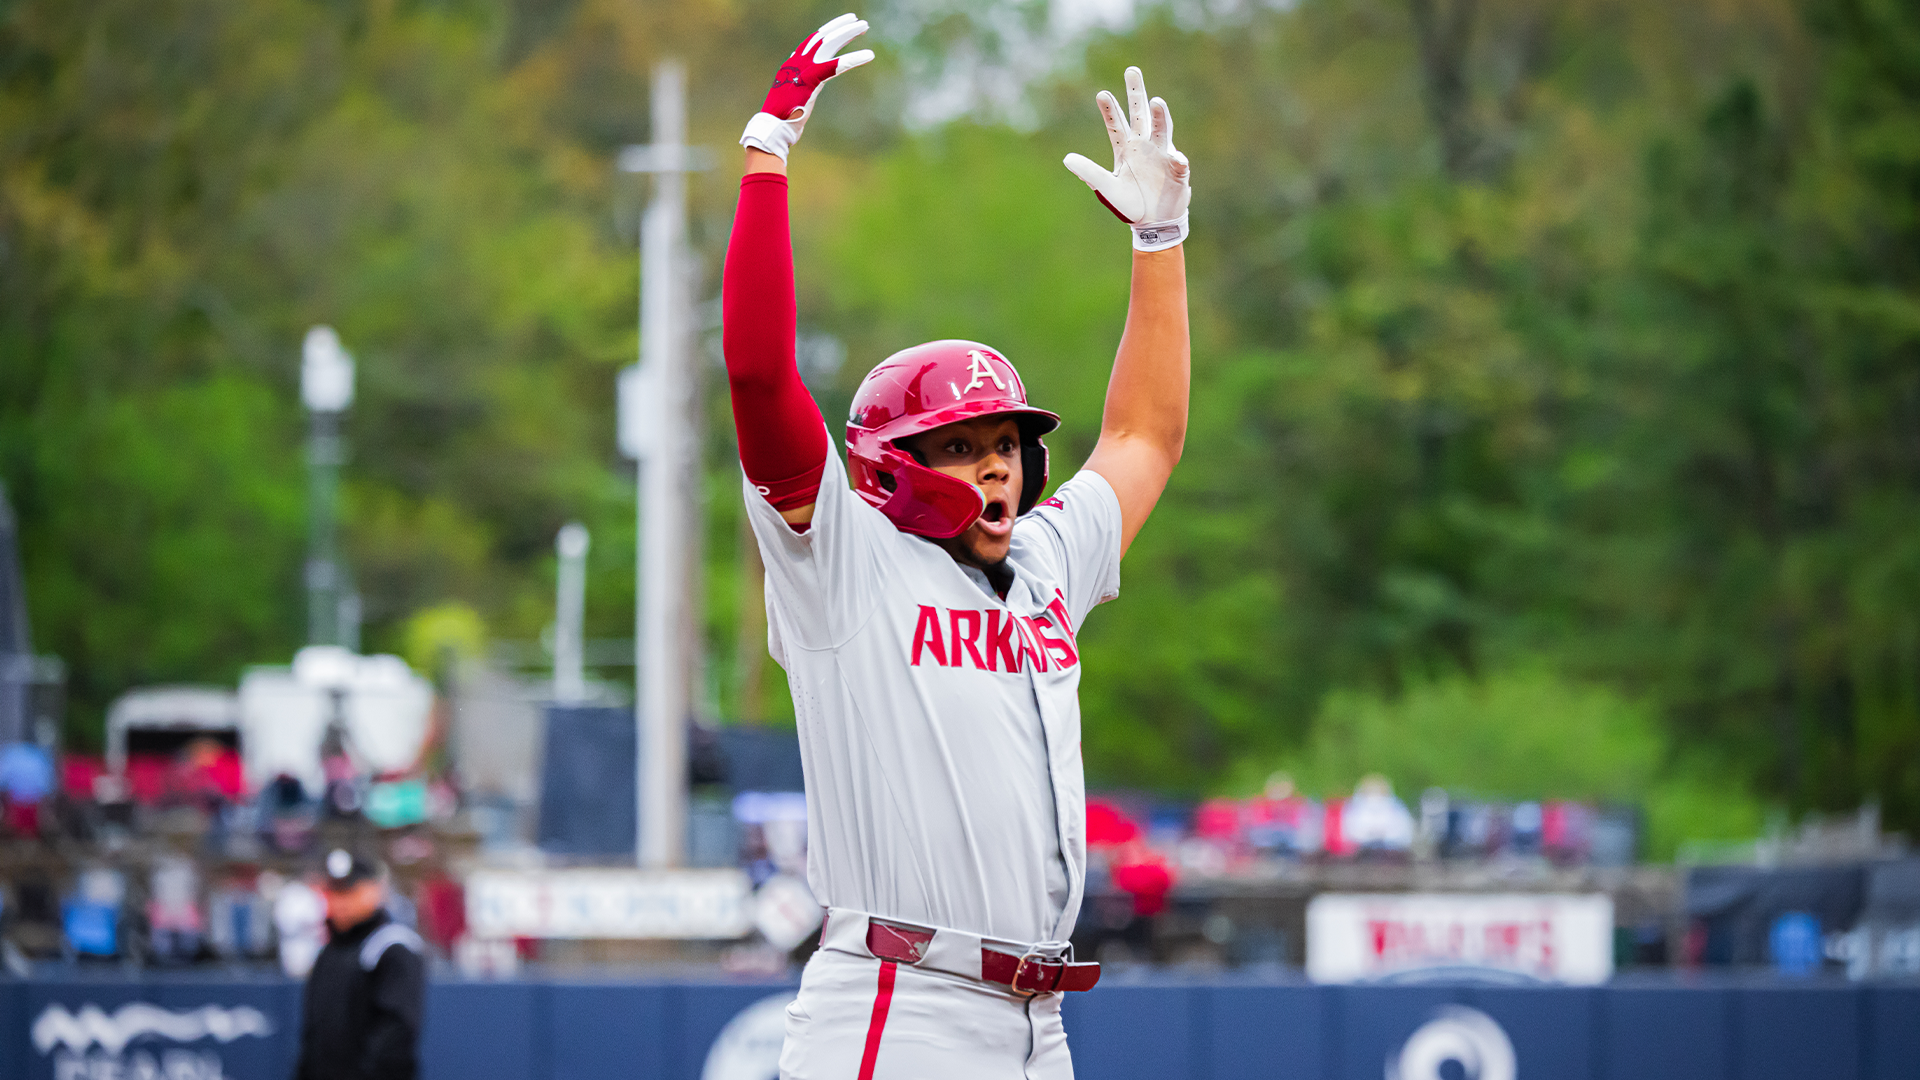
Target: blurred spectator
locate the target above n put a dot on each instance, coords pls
(26, 778)
(443, 911)
(1431, 833)
(300, 918)
(1333, 829)
(1470, 830)
(1525, 826)
(1281, 821)
(1566, 832)
(343, 795)
(1218, 820)
(287, 817)
(175, 928)
(90, 918)
(239, 919)
(1218, 839)
(1374, 820)
(208, 774)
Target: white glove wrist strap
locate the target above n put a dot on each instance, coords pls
(1160, 235)
(770, 133)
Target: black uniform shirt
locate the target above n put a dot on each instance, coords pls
(363, 1003)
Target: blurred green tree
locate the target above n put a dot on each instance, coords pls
(1552, 346)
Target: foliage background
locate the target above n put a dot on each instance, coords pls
(1556, 382)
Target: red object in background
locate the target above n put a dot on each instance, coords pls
(1566, 829)
(78, 772)
(147, 776)
(1287, 813)
(1136, 868)
(216, 772)
(1217, 819)
(1149, 880)
(1107, 825)
(442, 904)
(20, 818)
(1334, 834)
(155, 778)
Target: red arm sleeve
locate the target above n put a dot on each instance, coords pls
(783, 444)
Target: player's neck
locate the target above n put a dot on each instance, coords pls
(999, 573)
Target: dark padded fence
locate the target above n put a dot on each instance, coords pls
(1163, 1028)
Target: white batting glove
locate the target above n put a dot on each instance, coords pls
(1148, 187)
(776, 127)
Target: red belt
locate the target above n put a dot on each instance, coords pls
(1029, 974)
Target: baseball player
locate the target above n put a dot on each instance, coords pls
(926, 607)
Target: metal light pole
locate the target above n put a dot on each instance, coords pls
(326, 386)
(660, 428)
(569, 616)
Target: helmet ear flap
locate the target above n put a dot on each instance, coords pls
(1033, 469)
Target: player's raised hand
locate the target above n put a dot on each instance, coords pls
(1148, 187)
(776, 127)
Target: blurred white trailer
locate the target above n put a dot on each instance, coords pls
(385, 710)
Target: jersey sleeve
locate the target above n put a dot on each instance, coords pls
(1077, 532)
(824, 582)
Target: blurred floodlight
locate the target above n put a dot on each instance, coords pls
(326, 372)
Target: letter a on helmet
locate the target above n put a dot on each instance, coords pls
(922, 388)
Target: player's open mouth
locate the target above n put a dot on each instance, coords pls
(997, 518)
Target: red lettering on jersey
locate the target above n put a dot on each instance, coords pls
(971, 639)
(1057, 646)
(1056, 635)
(1057, 608)
(926, 634)
(1029, 635)
(1000, 641)
(1011, 643)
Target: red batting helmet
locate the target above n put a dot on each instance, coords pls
(922, 388)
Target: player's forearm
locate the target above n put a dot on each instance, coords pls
(783, 444)
(1147, 395)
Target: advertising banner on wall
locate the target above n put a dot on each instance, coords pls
(609, 904)
(1555, 938)
(101, 1030)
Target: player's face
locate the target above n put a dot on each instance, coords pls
(985, 452)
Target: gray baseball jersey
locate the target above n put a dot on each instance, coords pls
(939, 724)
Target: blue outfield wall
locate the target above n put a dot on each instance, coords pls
(1165, 1028)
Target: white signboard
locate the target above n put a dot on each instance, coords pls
(609, 904)
(1555, 938)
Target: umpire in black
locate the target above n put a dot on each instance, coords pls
(365, 993)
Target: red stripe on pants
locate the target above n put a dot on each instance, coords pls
(881, 1002)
